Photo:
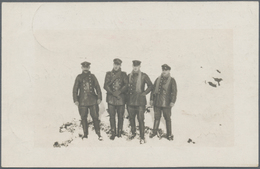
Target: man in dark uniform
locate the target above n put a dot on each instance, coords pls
(87, 96)
(116, 86)
(163, 98)
(136, 98)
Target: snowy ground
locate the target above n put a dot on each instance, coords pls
(203, 111)
(189, 129)
(206, 120)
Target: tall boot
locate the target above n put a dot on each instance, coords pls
(141, 128)
(97, 129)
(120, 127)
(113, 128)
(84, 123)
(155, 128)
(133, 127)
(169, 130)
(96, 126)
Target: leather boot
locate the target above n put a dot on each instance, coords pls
(141, 128)
(85, 128)
(155, 128)
(142, 141)
(97, 127)
(113, 134)
(169, 130)
(113, 128)
(133, 127)
(120, 127)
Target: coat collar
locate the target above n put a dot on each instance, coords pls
(114, 71)
(86, 72)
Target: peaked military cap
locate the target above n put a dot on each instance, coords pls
(117, 61)
(85, 64)
(136, 62)
(166, 67)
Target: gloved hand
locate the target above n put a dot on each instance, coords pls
(117, 93)
(151, 103)
(76, 103)
(143, 94)
(171, 104)
(98, 101)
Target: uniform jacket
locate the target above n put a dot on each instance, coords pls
(116, 81)
(86, 89)
(134, 98)
(166, 94)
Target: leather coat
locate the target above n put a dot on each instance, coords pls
(138, 99)
(116, 81)
(86, 89)
(165, 95)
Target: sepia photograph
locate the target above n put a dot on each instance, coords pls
(130, 84)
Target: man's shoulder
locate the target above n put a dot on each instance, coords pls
(92, 75)
(124, 73)
(172, 79)
(79, 75)
(144, 74)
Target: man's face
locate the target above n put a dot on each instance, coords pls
(85, 68)
(136, 68)
(116, 67)
(165, 72)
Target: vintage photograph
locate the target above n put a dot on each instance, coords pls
(120, 81)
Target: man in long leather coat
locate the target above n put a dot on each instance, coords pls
(136, 98)
(116, 86)
(87, 96)
(163, 97)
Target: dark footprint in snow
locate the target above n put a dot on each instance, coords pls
(212, 84)
(190, 141)
(218, 80)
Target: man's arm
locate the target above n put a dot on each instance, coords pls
(174, 91)
(152, 91)
(107, 80)
(75, 90)
(149, 84)
(125, 81)
(97, 87)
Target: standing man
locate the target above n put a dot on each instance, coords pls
(163, 98)
(136, 99)
(87, 96)
(116, 86)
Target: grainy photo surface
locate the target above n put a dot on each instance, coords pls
(121, 84)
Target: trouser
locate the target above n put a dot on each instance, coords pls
(94, 112)
(120, 110)
(167, 116)
(139, 111)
